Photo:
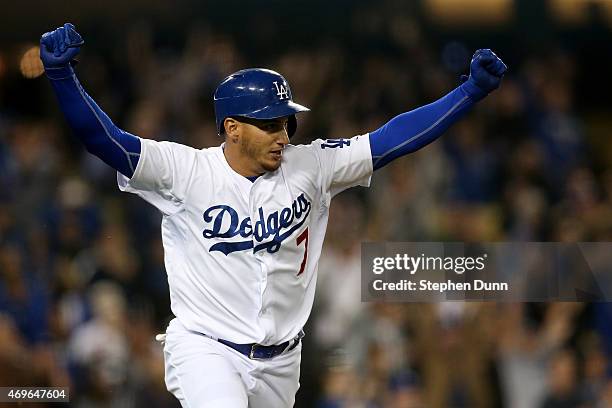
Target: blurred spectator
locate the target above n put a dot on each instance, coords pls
(339, 276)
(23, 296)
(99, 350)
(563, 383)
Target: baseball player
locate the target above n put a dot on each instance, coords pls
(244, 222)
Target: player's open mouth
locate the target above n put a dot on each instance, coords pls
(277, 154)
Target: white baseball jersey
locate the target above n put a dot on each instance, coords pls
(242, 256)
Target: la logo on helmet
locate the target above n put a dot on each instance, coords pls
(281, 90)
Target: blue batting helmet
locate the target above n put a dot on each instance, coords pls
(256, 93)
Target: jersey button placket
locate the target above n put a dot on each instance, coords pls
(263, 285)
(259, 254)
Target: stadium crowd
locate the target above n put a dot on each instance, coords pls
(82, 282)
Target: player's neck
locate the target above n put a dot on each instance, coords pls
(239, 163)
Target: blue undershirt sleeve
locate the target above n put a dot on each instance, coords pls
(101, 137)
(410, 131)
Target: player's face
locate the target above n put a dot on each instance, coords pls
(262, 142)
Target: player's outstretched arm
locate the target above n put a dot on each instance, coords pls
(413, 130)
(90, 124)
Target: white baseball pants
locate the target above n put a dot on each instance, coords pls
(203, 373)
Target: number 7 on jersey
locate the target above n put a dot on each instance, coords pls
(303, 237)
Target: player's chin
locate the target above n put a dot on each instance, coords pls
(272, 163)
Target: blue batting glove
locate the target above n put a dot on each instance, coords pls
(486, 73)
(60, 46)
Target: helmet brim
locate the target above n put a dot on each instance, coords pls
(277, 111)
(281, 110)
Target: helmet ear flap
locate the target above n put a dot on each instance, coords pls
(291, 125)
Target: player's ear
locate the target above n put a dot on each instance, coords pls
(231, 126)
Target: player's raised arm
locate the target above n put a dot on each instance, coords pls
(413, 130)
(90, 124)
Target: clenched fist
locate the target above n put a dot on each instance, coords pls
(486, 72)
(60, 46)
